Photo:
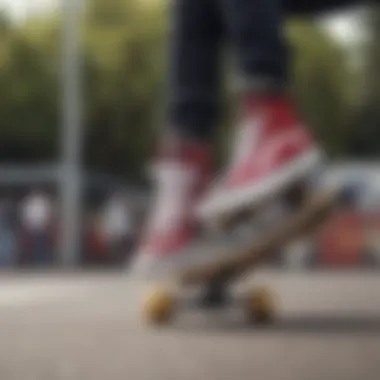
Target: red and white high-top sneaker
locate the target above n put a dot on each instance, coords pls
(272, 150)
(182, 172)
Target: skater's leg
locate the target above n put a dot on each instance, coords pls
(183, 163)
(273, 150)
(255, 28)
(194, 63)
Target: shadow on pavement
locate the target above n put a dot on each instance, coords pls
(344, 325)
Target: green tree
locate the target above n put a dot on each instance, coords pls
(365, 141)
(123, 82)
(123, 55)
(321, 85)
(27, 106)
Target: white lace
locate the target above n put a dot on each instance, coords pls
(247, 136)
(174, 182)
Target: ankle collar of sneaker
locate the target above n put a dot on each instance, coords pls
(176, 149)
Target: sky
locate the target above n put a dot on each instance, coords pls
(20, 8)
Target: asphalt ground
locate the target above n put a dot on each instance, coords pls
(87, 326)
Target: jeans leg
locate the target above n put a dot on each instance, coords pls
(194, 74)
(255, 28)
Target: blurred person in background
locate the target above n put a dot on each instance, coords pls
(8, 244)
(117, 226)
(273, 148)
(94, 248)
(36, 214)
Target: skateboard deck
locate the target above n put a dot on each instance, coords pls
(314, 212)
(305, 219)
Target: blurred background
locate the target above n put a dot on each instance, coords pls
(81, 107)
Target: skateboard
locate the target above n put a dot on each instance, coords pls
(308, 212)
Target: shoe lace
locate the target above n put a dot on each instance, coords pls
(174, 188)
(245, 139)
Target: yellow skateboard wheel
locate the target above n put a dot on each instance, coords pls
(260, 305)
(158, 307)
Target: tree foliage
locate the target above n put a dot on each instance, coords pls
(365, 141)
(123, 56)
(321, 85)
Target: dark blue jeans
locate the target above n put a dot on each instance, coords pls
(199, 30)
